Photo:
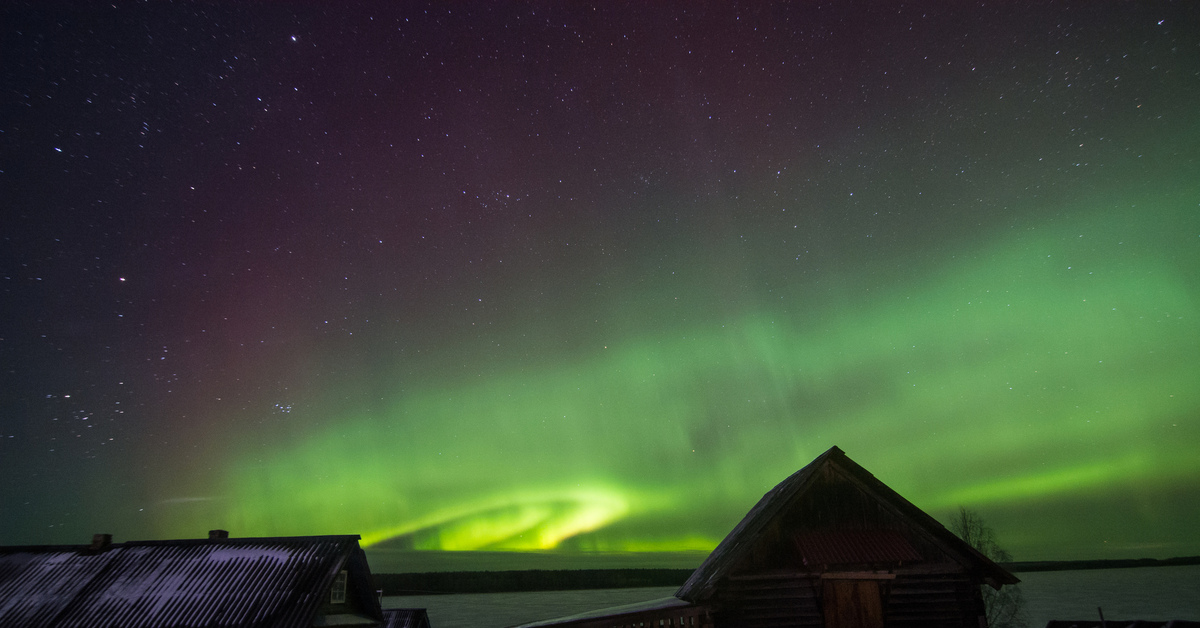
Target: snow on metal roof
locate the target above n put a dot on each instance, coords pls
(275, 582)
(405, 618)
(36, 585)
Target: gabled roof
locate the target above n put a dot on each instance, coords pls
(737, 545)
(268, 582)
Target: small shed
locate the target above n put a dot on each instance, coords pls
(829, 547)
(216, 582)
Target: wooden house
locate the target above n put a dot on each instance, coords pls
(218, 582)
(833, 547)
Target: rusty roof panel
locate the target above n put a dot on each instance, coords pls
(854, 547)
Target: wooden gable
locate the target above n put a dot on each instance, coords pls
(835, 509)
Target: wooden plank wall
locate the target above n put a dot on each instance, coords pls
(909, 601)
(933, 601)
(771, 602)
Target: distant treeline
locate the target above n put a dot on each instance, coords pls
(532, 580)
(575, 579)
(1066, 565)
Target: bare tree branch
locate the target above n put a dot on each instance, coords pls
(1005, 608)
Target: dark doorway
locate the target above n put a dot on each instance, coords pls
(852, 604)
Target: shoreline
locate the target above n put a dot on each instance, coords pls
(1105, 563)
(513, 581)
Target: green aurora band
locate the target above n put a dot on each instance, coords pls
(1053, 365)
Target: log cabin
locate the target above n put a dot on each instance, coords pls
(829, 547)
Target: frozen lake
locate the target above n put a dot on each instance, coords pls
(1159, 593)
(1142, 593)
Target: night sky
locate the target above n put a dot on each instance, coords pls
(501, 276)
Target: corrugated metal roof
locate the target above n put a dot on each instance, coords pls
(38, 583)
(267, 582)
(405, 618)
(853, 547)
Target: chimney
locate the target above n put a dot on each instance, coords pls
(100, 542)
(217, 535)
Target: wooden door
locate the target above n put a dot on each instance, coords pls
(852, 604)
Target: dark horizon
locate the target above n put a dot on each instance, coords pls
(416, 562)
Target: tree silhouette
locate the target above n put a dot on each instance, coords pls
(1005, 608)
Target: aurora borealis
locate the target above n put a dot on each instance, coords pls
(592, 279)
